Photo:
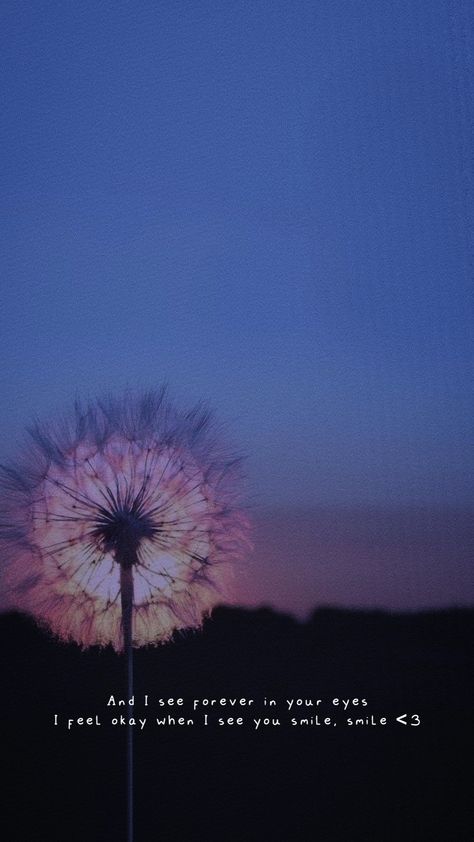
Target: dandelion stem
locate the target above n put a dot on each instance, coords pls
(126, 594)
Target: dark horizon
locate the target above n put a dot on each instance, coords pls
(383, 781)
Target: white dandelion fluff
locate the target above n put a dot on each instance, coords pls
(127, 509)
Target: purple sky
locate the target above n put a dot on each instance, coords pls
(269, 206)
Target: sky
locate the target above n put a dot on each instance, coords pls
(267, 205)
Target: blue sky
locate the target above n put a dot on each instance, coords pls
(266, 204)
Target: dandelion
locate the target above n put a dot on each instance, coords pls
(129, 501)
(120, 524)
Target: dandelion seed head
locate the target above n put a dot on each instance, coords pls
(125, 482)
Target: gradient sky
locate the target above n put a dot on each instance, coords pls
(268, 205)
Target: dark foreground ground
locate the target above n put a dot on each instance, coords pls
(285, 782)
